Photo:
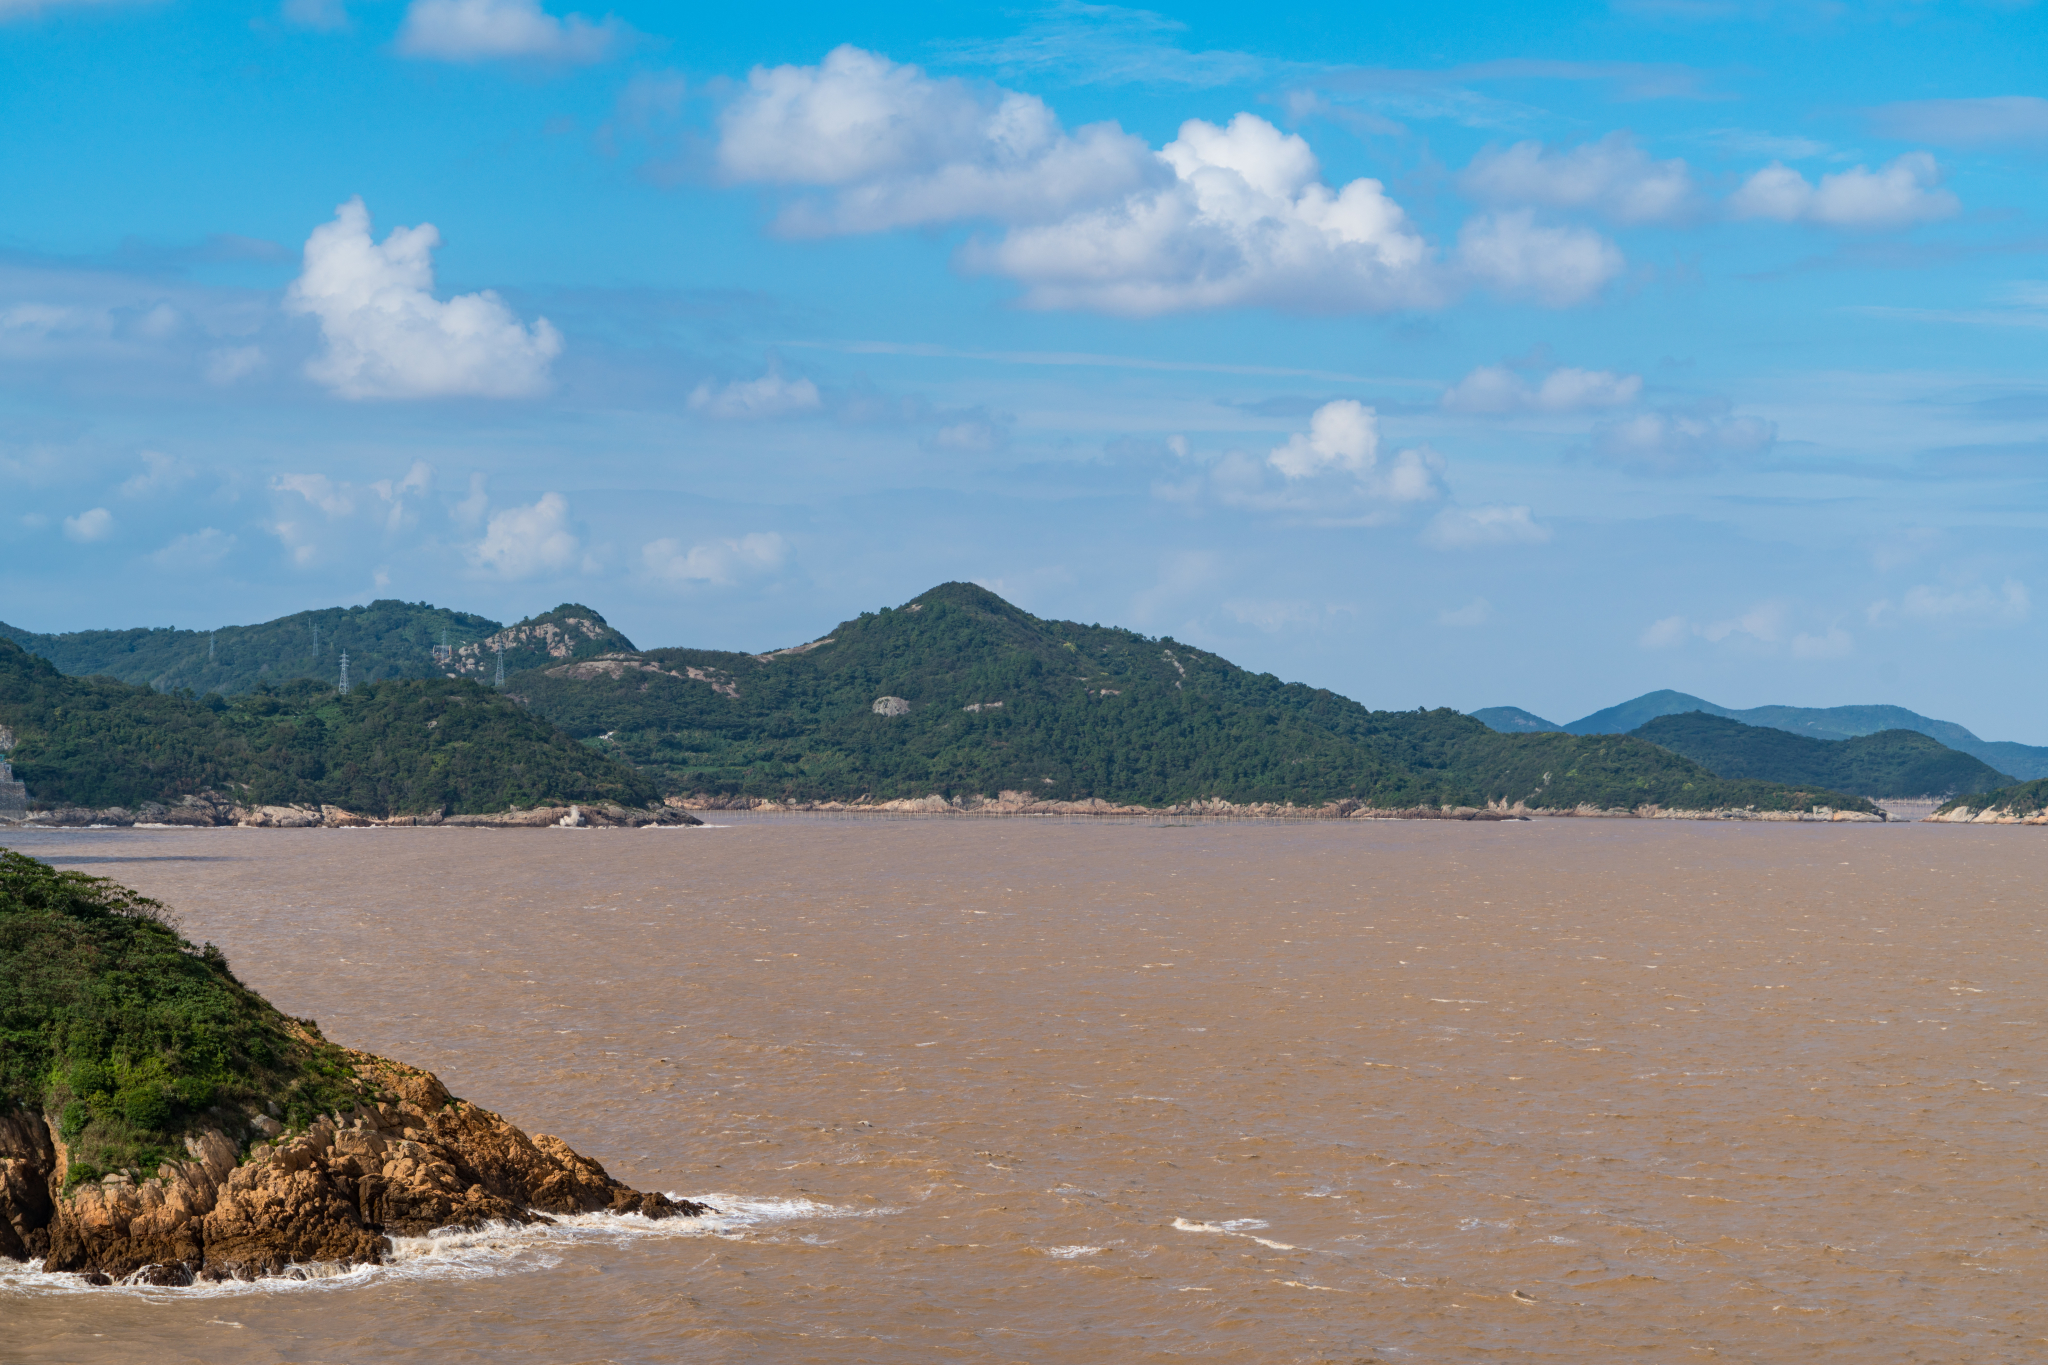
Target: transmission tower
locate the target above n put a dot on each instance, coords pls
(501, 663)
(344, 673)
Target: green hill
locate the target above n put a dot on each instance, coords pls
(1817, 722)
(386, 639)
(2022, 799)
(960, 693)
(128, 1037)
(1890, 763)
(1513, 720)
(405, 746)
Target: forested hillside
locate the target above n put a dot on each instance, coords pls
(401, 747)
(1890, 763)
(386, 639)
(960, 693)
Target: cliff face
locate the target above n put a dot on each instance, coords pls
(415, 1160)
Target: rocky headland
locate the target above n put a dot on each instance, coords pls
(180, 1128)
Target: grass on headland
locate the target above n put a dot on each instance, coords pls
(132, 1037)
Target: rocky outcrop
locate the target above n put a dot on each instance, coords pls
(336, 1193)
(1025, 803)
(208, 809)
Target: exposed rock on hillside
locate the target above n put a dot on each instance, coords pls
(407, 1160)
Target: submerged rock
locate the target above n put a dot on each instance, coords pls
(336, 1193)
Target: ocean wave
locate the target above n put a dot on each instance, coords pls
(466, 1253)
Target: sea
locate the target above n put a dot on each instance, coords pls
(1051, 1091)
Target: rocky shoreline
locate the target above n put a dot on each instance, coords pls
(210, 810)
(1011, 803)
(415, 1161)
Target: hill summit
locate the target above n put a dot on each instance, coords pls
(960, 694)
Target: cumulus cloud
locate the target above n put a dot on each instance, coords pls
(1497, 391)
(196, 550)
(719, 561)
(334, 499)
(1675, 441)
(1234, 215)
(161, 473)
(496, 30)
(1246, 220)
(1976, 605)
(1464, 528)
(903, 149)
(1899, 194)
(94, 524)
(1996, 120)
(769, 396)
(1764, 627)
(1332, 474)
(1521, 258)
(520, 542)
(1613, 177)
(1341, 435)
(386, 334)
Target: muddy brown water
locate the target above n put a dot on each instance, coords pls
(1062, 1092)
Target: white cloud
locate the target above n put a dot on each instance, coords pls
(1666, 633)
(1836, 643)
(1986, 122)
(520, 542)
(195, 550)
(1764, 627)
(161, 474)
(1341, 435)
(335, 499)
(1331, 474)
(228, 364)
(1613, 177)
(491, 30)
(1977, 605)
(904, 149)
(974, 434)
(326, 16)
(388, 336)
(1477, 612)
(721, 561)
(28, 9)
(769, 396)
(1521, 258)
(1463, 528)
(1898, 194)
(1677, 442)
(1244, 222)
(1497, 391)
(89, 526)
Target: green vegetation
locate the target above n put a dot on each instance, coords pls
(2022, 799)
(403, 747)
(1890, 763)
(1819, 722)
(387, 639)
(1084, 711)
(130, 1036)
(1513, 720)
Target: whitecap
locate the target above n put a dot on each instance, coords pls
(1073, 1253)
(466, 1253)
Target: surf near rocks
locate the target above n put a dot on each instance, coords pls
(406, 1161)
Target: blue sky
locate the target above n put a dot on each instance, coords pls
(1456, 355)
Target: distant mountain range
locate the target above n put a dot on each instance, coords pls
(2023, 761)
(956, 693)
(1888, 764)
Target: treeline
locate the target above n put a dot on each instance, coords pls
(399, 747)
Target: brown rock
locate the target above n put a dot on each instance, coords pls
(335, 1193)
